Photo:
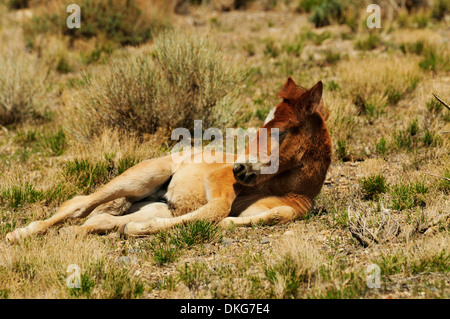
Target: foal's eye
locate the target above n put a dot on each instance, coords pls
(281, 135)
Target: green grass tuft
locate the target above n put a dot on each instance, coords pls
(373, 186)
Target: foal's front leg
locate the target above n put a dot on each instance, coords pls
(222, 189)
(272, 210)
(136, 183)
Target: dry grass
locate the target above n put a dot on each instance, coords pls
(23, 93)
(296, 262)
(372, 224)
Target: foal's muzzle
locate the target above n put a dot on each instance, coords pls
(245, 173)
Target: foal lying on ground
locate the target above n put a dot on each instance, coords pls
(224, 193)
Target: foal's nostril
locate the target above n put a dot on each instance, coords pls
(239, 169)
(250, 179)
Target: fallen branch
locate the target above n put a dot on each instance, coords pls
(440, 100)
(443, 177)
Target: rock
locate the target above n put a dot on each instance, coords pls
(265, 241)
(226, 242)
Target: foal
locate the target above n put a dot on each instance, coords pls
(216, 191)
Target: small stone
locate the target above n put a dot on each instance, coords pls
(226, 242)
(265, 241)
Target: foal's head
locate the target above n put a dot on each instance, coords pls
(294, 135)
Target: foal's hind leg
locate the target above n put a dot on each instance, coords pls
(136, 183)
(118, 207)
(105, 222)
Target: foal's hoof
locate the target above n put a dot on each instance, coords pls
(134, 229)
(122, 231)
(227, 222)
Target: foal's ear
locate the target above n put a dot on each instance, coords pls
(289, 90)
(314, 98)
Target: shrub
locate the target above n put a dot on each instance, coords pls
(407, 138)
(18, 196)
(309, 5)
(168, 245)
(371, 42)
(333, 86)
(430, 139)
(434, 106)
(381, 146)
(435, 59)
(271, 49)
(315, 37)
(332, 57)
(51, 143)
(420, 19)
(22, 89)
(341, 150)
(403, 140)
(370, 225)
(185, 79)
(195, 233)
(127, 22)
(393, 95)
(85, 175)
(413, 127)
(18, 4)
(123, 97)
(408, 196)
(415, 47)
(198, 78)
(439, 9)
(326, 13)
